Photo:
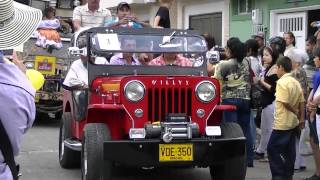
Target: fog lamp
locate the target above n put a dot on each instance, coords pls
(137, 133)
(213, 131)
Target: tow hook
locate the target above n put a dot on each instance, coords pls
(167, 137)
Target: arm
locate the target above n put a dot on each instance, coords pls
(271, 87)
(76, 20)
(302, 112)
(156, 22)
(76, 24)
(289, 107)
(143, 24)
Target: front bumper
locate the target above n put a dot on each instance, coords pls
(146, 153)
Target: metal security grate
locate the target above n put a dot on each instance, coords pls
(291, 24)
(162, 101)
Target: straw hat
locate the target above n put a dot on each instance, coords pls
(17, 23)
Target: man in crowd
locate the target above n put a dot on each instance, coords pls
(90, 15)
(125, 18)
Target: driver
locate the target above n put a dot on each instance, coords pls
(77, 76)
(171, 59)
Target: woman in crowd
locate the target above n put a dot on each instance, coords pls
(298, 58)
(268, 83)
(47, 34)
(234, 74)
(290, 42)
(252, 48)
(162, 19)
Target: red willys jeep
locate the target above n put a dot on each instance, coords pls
(146, 115)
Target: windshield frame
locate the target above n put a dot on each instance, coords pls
(95, 70)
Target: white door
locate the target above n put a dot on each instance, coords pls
(294, 22)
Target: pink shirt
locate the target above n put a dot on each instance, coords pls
(180, 61)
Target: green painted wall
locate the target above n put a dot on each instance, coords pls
(241, 25)
(240, 29)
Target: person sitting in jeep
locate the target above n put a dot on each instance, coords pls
(126, 58)
(171, 59)
(77, 76)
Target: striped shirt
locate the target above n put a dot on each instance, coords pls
(89, 18)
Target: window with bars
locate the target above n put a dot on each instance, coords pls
(291, 24)
(244, 6)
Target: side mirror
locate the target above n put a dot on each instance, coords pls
(75, 51)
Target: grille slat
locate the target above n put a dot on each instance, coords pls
(162, 101)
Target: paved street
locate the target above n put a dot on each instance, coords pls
(39, 161)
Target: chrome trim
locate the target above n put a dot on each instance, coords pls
(75, 145)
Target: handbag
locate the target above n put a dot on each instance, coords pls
(256, 90)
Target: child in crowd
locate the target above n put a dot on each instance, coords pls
(289, 116)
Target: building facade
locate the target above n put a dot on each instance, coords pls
(274, 17)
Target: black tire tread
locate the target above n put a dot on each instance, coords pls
(232, 169)
(94, 136)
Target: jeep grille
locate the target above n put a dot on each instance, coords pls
(162, 101)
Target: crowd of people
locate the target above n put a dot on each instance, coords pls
(274, 92)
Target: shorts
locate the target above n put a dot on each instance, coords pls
(313, 131)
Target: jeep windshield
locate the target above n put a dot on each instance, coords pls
(147, 51)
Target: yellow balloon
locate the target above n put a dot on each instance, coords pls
(36, 78)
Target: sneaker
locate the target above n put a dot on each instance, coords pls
(258, 156)
(314, 177)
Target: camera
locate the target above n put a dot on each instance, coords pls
(215, 55)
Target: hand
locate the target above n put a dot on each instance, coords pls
(18, 62)
(311, 106)
(133, 18)
(261, 81)
(123, 21)
(301, 125)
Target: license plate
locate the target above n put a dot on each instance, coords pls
(175, 152)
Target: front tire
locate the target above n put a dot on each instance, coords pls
(93, 166)
(234, 168)
(68, 158)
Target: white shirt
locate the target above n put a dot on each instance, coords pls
(288, 49)
(78, 73)
(89, 18)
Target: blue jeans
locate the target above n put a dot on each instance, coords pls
(242, 117)
(282, 152)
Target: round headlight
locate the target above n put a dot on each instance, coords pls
(134, 91)
(206, 91)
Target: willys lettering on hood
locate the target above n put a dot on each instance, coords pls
(171, 82)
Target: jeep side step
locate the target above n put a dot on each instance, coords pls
(73, 144)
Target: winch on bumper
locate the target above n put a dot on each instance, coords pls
(174, 143)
